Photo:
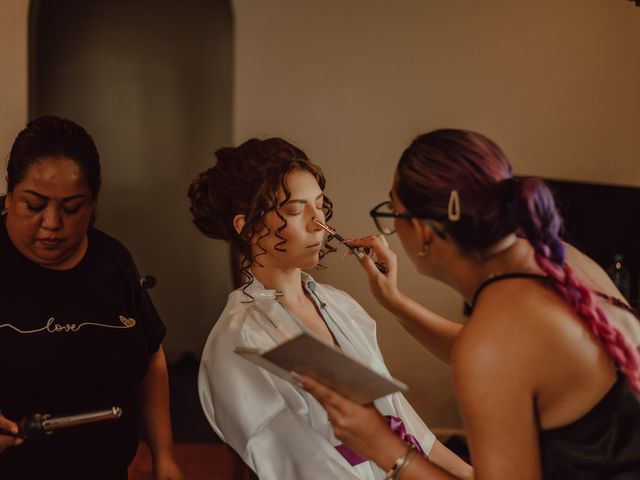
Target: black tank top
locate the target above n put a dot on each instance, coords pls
(604, 444)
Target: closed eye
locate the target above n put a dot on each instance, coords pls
(292, 211)
(35, 208)
(71, 210)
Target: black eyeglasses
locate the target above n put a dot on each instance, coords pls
(384, 216)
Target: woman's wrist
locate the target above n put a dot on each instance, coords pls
(401, 463)
(388, 454)
(162, 453)
(393, 302)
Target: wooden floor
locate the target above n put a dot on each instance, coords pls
(217, 461)
(198, 461)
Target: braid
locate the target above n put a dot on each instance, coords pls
(541, 224)
(582, 300)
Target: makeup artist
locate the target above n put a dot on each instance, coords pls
(78, 333)
(546, 371)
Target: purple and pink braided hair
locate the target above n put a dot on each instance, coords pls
(495, 204)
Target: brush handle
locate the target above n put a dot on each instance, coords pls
(356, 251)
(381, 267)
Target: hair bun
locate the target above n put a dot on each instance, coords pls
(209, 212)
(508, 189)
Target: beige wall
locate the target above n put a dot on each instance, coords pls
(556, 83)
(13, 81)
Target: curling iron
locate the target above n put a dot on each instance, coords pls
(41, 424)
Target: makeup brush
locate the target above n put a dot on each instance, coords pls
(356, 250)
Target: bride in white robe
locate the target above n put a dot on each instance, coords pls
(278, 429)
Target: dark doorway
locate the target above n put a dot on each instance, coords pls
(151, 81)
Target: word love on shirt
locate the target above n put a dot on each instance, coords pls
(51, 326)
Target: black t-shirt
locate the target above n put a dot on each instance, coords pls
(73, 341)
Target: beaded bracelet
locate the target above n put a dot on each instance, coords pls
(400, 463)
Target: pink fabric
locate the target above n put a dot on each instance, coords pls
(398, 428)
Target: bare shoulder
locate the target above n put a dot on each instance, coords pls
(497, 370)
(509, 331)
(595, 278)
(589, 272)
(507, 309)
(578, 259)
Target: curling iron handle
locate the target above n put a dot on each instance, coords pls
(39, 424)
(54, 423)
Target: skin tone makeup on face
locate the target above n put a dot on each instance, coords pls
(49, 212)
(303, 236)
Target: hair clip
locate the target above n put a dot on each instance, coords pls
(270, 294)
(454, 206)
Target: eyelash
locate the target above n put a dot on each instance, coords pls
(298, 212)
(34, 208)
(38, 208)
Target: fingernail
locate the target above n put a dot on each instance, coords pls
(14, 430)
(19, 441)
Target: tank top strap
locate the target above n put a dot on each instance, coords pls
(505, 276)
(502, 276)
(618, 303)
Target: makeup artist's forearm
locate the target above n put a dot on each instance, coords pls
(436, 333)
(154, 406)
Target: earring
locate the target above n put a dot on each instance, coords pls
(3, 212)
(424, 251)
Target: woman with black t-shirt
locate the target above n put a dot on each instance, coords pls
(77, 331)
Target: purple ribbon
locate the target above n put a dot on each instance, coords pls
(398, 428)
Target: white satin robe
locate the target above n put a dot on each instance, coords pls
(280, 430)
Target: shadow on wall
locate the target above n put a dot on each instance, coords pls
(151, 81)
